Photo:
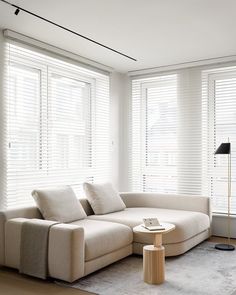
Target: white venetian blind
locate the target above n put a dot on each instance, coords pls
(57, 118)
(219, 115)
(177, 122)
(154, 137)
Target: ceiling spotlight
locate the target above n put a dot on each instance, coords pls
(17, 11)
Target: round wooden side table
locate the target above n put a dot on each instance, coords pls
(154, 255)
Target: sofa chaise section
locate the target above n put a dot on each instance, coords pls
(190, 214)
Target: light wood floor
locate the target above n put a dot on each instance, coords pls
(12, 283)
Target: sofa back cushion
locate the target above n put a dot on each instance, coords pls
(103, 198)
(59, 204)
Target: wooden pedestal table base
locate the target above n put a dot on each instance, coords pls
(154, 255)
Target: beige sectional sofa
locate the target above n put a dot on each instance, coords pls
(81, 247)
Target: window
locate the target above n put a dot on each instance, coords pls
(219, 108)
(154, 134)
(57, 124)
(178, 121)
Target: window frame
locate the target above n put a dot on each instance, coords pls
(211, 132)
(98, 98)
(145, 169)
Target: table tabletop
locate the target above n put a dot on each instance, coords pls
(168, 227)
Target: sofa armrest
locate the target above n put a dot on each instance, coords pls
(66, 252)
(12, 241)
(65, 249)
(26, 212)
(166, 201)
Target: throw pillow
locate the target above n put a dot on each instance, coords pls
(59, 204)
(103, 198)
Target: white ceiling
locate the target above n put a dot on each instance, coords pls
(156, 32)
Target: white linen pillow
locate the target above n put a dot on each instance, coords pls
(59, 204)
(103, 198)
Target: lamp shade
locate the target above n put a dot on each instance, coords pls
(223, 149)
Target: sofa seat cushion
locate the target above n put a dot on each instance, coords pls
(188, 223)
(103, 237)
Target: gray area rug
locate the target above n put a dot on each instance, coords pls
(201, 271)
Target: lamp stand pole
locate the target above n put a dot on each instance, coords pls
(228, 247)
(229, 197)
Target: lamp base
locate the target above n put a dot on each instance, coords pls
(225, 247)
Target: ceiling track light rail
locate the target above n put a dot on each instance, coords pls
(18, 9)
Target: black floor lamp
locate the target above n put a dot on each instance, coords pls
(225, 149)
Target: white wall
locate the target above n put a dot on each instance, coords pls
(116, 93)
(2, 133)
(119, 130)
(124, 136)
(220, 226)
